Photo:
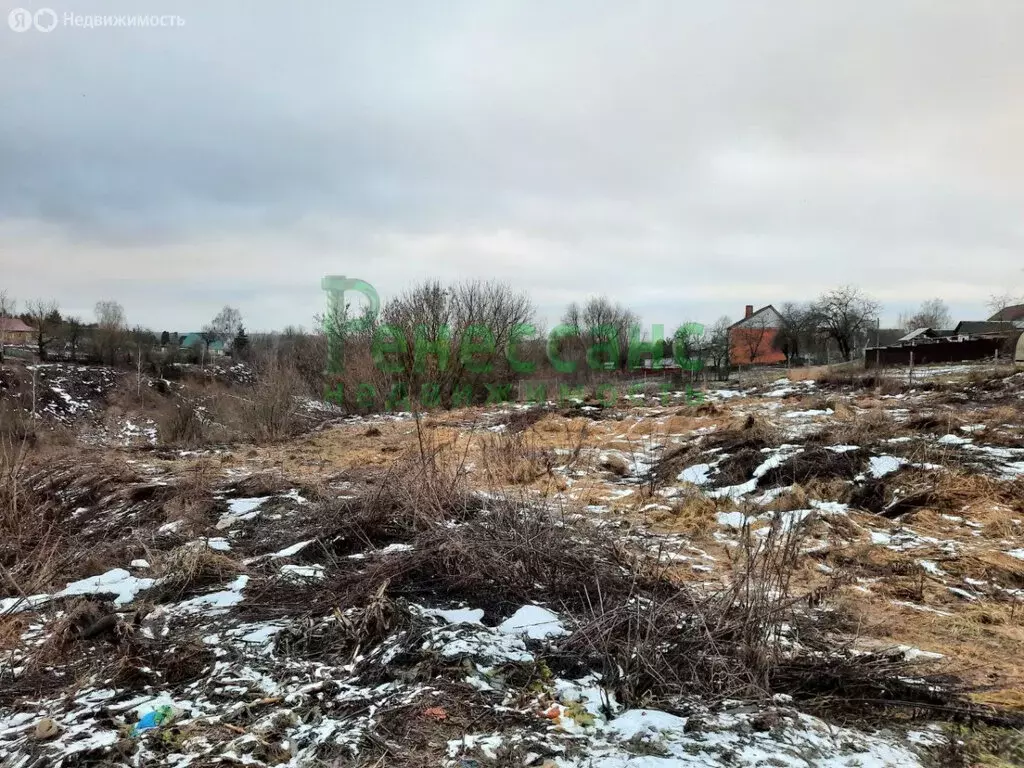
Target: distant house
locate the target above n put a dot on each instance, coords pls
(922, 335)
(883, 337)
(915, 334)
(985, 328)
(752, 339)
(195, 339)
(1009, 314)
(970, 340)
(15, 331)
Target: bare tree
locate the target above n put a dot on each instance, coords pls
(845, 315)
(225, 325)
(690, 346)
(718, 345)
(222, 328)
(796, 332)
(601, 322)
(442, 342)
(73, 335)
(7, 307)
(933, 313)
(754, 337)
(45, 319)
(110, 330)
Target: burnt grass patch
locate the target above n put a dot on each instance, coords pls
(738, 467)
(522, 420)
(498, 561)
(910, 489)
(886, 497)
(816, 463)
(745, 440)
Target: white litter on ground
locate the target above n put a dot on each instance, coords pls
(117, 582)
(880, 466)
(533, 621)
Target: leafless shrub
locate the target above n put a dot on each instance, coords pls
(652, 638)
(513, 457)
(441, 345)
(269, 411)
(16, 425)
(261, 484)
(401, 507)
(501, 558)
(30, 541)
(721, 643)
(184, 423)
(191, 500)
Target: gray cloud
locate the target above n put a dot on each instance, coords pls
(686, 158)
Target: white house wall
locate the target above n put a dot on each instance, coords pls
(768, 318)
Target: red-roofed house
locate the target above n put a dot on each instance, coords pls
(752, 339)
(15, 331)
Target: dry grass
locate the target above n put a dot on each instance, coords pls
(808, 373)
(205, 413)
(192, 502)
(499, 551)
(31, 541)
(188, 570)
(513, 458)
(692, 513)
(269, 411)
(185, 423)
(855, 378)
(868, 428)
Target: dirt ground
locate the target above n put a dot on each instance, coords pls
(600, 460)
(268, 568)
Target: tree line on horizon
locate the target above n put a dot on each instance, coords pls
(841, 318)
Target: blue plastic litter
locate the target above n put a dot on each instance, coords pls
(154, 719)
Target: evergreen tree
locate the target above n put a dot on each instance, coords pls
(240, 344)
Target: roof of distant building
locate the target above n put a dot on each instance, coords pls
(982, 327)
(767, 316)
(1009, 314)
(14, 325)
(915, 334)
(196, 338)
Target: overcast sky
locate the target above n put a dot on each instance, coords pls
(685, 157)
